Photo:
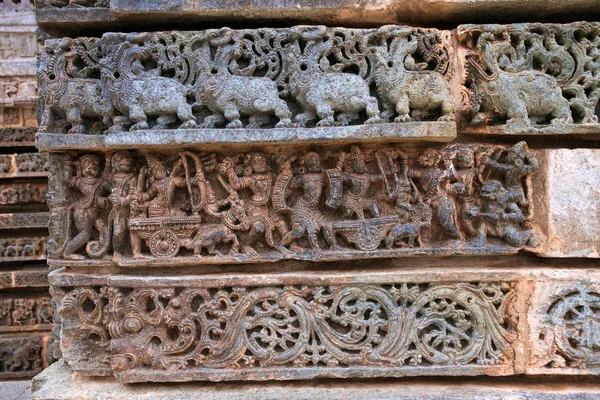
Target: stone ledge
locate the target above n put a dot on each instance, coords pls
(216, 138)
(58, 382)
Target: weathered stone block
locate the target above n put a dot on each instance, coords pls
(568, 203)
(296, 326)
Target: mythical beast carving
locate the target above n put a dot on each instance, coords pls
(518, 96)
(69, 87)
(321, 93)
(402, 84)
(230, 96)
(139, 93)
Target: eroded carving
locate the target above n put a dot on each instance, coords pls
(30, 247)
(23, 193)
(20, 357)
(460, 196)
(187, 329)
(244, 78)
(532, 74)
(570, 329)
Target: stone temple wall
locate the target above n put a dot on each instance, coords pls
(26, 312)
(385, 193)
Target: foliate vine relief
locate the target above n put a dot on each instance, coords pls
(532, 74)
(302, 76)
(401, 325)
(254, 205)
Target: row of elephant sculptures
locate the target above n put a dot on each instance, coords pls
(302, 76)
(24, 162)
(316, 75)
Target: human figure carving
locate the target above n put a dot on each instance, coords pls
(519, 164)
(355, 174)
(432, 180)
(499, 216)
(307, 218)
(122, 183)
(86, 210)
(258, 178)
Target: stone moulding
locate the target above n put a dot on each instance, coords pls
(24, 278)
(217, 138)
(21, 314)
(553, 68)
(306, 325)
(285, 80)
(24, 220)
(189, 207)
(304, 76)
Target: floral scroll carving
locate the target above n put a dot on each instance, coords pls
(569, 332)
(401, 325)
(532, 74)
(257, 206)
(298, 77)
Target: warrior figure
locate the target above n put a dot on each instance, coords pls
(519, 163)
(122, 182)
(160, 197)
(307, 218)
(463, 175)
(433, 180)
(259, 180)
(356, 175)
(402, 194)
(87, 208)
(499, 216)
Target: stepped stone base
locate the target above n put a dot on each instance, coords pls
(58, 382)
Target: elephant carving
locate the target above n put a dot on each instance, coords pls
(230, 96)
(68, 91)
(139, 93)
(404, 85)
(520, 97)
(319, 93)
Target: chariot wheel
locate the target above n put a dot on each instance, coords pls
(367, 237)
(164, 243)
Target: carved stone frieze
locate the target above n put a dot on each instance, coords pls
(21, 116)
(21, 357)
(565, 327)
(15, 91)
(190, 332)
(17, 137)
(530, 77)
(23, 164)
(23, 193)
(24, 278)
(23, 248)
(25, 314)
(301, 76)
(72, 3)
(24, 220)
(191, 207)
(17, 43)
